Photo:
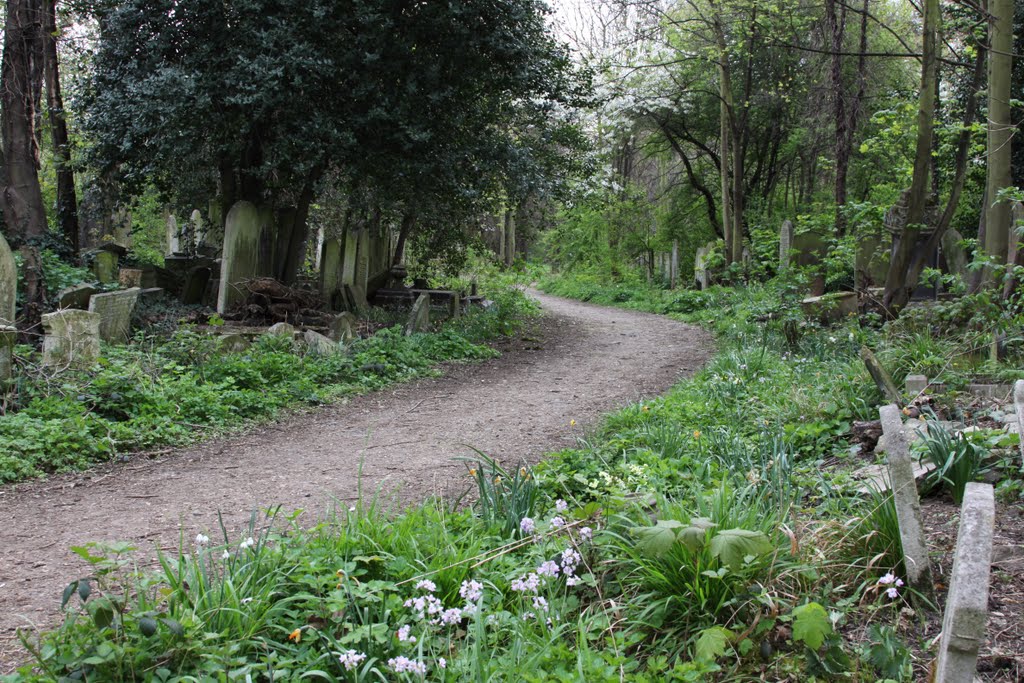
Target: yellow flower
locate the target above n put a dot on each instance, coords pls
(472, 472)
(696, 433)
(497, 481)
(295, 635)
(522, 471)
(572, 423)
(645, 409)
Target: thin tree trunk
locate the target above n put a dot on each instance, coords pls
(725, 127)
(836, 23)
(510, 237)
(1000, 128)
(67, 203)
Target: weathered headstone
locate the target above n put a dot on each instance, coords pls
(173, 234)
(701, 271)
(320, 345)
(130, 277)
(343, 327)
(355, 298)
(241, 258)
(810, 250)
(915, 384)
(115, 310)
(871, 262)
(953, 250)
(71, 337)
(362, 261)
(883, 380)
(419, 316)
(234, 343)
(76, 296)
(908, 505)
(785, 243)
(456, 305)
(1018, 405)
(197, 229)
(8, 336)
(330, 269)
(282, 330)
(348, 266)
(104, 266)
(8, 283)
(121, 226)
(963, 623)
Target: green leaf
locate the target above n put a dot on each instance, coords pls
(712, 643)
(102, 612)
(811, 625)
(732, 545)
(147, 625)
(693, 536)
(69, 590)
(173, 626)
(657, 540)
(84, 590)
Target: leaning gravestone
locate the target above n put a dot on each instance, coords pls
(330, 269)
(8, 283)
(342, 327)
(419, 316)
(908, 505)
(115, 310)
(362, 261)
(963, 624)
(8, 335)
(883, 380)
(785, 243)
(241, 257)
(71, 337)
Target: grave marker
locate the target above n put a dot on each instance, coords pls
(8, 283)
(71, 337)
(419, 316)
(241, 257)
(330, 270)
(115, 310)
(343, 327)
(785, 243)
(8, 335)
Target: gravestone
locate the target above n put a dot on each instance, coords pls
(241, 257)
(883, 380)
(830, 308)
(871, 262)
(348, 266)
(701, 272)
(330, 269)
(963, 623)
(320, 345)
(76, 296)
(115, 310)
(810, 250)
(130, 277)
(419, 316)
(908, 505)
(362, 261)
(953, 250)
(355, 299)
(197, 230)
(282, 330)
(104, 266)
(234, 343)
(8, 336)
(121, 226)
(1018, 405)
(456, 305)
(70, 337)
(785, 244)
(342, 327)
(196, 282)
(8, 283)
(915, 384)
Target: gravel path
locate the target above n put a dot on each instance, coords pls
(580, 362)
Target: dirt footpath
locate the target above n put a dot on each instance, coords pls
(580, 362)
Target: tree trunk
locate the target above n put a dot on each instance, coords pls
(67, 203)
(836, 23)
(725, 128)
(898, 286)
(21, 199)
(1000, 129)
(510, 237)
(408, 223)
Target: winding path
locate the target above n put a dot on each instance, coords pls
(581, 362)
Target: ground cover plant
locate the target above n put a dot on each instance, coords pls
(173, 388)
(714, 533)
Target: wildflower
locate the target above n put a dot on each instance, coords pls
(472, 471)
(696, 433)
(892, 593)
(570, 560)
(540, 603)
(557, 522)
(202, 540)
(452, 616)
(527, 526)
(426, 585)
(425, 604)
(295, 635)
(572, 423)
(403, 635)
(471, 591)
(561, 505)
(246, 601)
(247, 543)
(529, 584)
(893, 583)
(549, 568)
(442, 663)
(350, 659)
(522, 471)
(226, 555)
(402, 665)
(497, 481)
(645, 409)
(586, 533)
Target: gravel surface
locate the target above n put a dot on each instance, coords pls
(579, 362)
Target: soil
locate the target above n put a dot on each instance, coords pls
(580, 362)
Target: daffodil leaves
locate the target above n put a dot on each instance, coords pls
(731, 547)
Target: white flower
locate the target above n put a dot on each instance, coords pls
(442, 663)
(247, 543)
(405, 665)
(226, 555)
(426, 585)
(350, 659)
(202, 539)
(557, 522)
(549, 568)
(586, 533)
(403, 635)
(892, 593)
(471, 591)
(887, 579)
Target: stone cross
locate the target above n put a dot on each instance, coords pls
(908, 506)
(241, 258)
(8, 283)
(419, 316)
(1018, 405)
(115, 310)
(963, 624)
(71, 337)
(785, 243)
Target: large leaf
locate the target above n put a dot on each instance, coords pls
(657, 540)
(712, 643)
(732, 545)
(693, 536)
(811, 625)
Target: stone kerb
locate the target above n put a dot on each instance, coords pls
(419, 316)
(8, 283)
(241, 257)
(908, 505)
(71, 337)
(115, 310)
(966, 615)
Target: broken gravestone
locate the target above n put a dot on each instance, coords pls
(76, 296)
(419, 316)
(830, 308)
(115, 310)
(320, 345)
(908, 505)
(241, 258)
(342, 327)
(234, 343)
(71, 337)
(811, 248)
(883, 380)
(8, 283)
(966, 615)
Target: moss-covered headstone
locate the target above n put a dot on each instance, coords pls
(8, 283)
(241, 256)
